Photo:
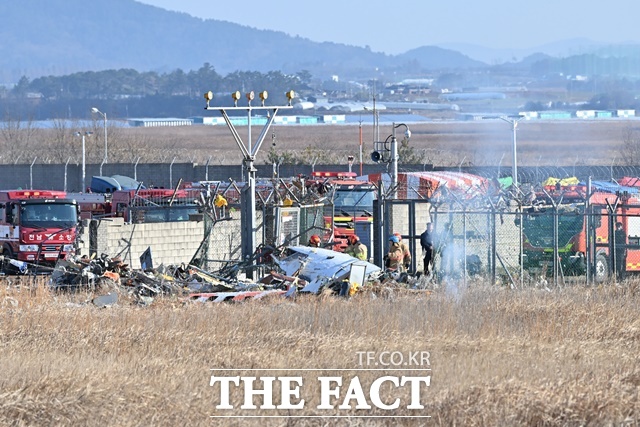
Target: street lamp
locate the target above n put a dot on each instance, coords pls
(84, 157)
(513, 121)
(394, 157)
(104, 116)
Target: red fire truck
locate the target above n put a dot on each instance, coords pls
(352, 202)
(37, 226)
(140, 206)
(568, 222)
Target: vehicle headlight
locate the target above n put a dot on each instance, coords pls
(28, 248)
(68, 248)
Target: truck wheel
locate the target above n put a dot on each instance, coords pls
(602, 269)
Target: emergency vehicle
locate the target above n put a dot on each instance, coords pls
(581, 227)
(352, 202)
(140, 206)
(37, 226)
(153, 205)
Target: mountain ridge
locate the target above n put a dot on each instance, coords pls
(66, 36)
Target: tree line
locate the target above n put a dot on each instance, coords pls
(129, 93)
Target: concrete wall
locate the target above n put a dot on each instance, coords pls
(170, 242)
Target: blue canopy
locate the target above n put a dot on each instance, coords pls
(611, 187)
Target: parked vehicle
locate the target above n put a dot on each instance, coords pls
(37, 226)
(139, 206)
(352, 202)
(579, 223)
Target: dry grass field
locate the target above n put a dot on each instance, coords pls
(443, 143)
(567, 357)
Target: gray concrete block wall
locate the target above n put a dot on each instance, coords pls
(400, 217)
(170, 242)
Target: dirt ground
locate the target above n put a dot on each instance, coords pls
(480, 143)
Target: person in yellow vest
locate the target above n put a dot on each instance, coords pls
(395, 255)
(356, 249)
(406, 253)
(220, 201)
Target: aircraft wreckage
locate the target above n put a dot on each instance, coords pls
(290, 270)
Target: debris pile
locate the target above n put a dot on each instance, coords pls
(284, 272)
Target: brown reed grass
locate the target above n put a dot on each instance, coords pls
(498, 356)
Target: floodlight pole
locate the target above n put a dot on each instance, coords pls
(104, 116)
(84, 159)
(394, 158)
(513, 121)
(249, 153)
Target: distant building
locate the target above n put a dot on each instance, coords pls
(159, 122)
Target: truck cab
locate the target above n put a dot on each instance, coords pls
(37, 226)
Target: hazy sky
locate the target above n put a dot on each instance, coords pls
(397, 26)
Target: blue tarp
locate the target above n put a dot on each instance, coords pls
(611, 187)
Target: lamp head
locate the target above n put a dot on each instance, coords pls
(290, 95)
(208, 96)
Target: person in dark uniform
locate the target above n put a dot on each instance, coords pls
(621, 251)
(426, 241)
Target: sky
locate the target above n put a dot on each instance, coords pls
(397, 26)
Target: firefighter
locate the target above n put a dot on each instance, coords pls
(395, 255)
(314, 241)
(356, 249)
(406, 253)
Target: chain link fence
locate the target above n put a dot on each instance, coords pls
(537, 246)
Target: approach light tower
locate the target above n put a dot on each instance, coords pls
(249, 152)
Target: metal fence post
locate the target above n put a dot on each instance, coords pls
(379, 208)
(464, 245)
(491, 220)
(171, 172)
(135, 169)
(31, 173)
(412, 234)
(589, 235)
(65, 173)
(556, 254)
